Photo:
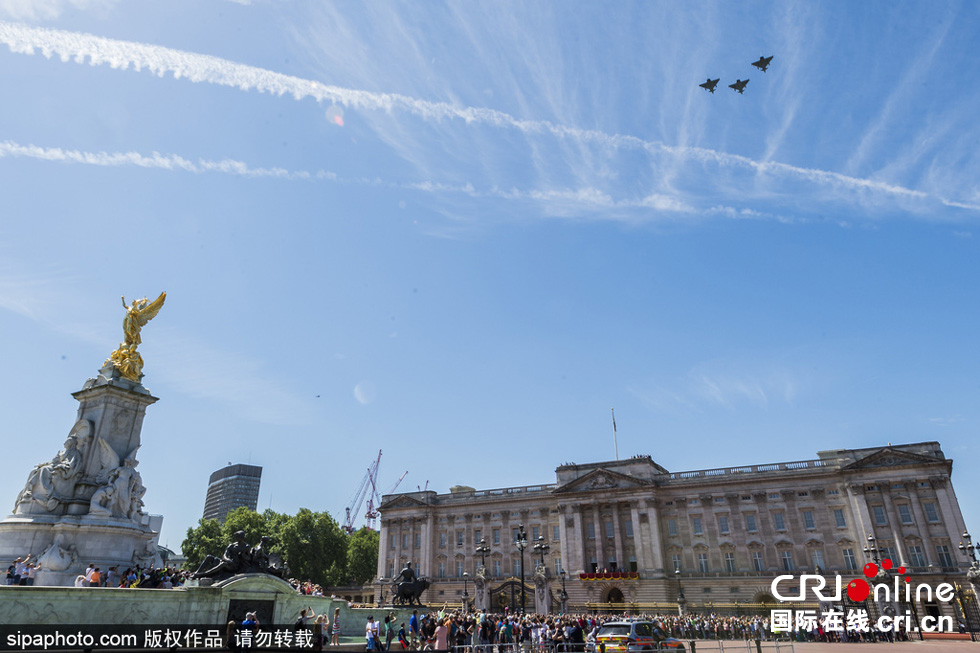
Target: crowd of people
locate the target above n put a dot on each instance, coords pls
(23, 572)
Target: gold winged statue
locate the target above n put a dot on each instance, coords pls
(126, 359)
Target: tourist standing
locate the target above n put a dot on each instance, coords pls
(335, 628)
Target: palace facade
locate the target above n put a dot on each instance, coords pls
(631, 532)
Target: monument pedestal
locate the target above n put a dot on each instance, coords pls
(86, 504)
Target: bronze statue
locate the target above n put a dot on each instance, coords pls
(407, 587)
(240, 558)
(126, 359)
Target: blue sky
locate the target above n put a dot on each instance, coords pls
(460, 233)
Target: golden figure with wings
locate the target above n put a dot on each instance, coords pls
(126, 359)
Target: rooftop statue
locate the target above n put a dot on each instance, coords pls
(126, 359)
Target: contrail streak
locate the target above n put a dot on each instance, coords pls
(159, 60)
(155, 160)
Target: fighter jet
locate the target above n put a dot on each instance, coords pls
(763, 63)
(739, 85)
(709, 84)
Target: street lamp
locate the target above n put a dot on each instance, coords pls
(483, 550)
(969, 548)
(466, 596)
(521, 544)
(541, 547)
(563, 597)
(681, 601)
(381, 586)
(872, 549)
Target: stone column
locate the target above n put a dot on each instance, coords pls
(655, 545)
(894, 524)
(641, 542)
(920, 519)
(577, 547)
(597, 533)
(383, 549)
(618, 537)
(427, 557)
(859, 506)
(950, 512)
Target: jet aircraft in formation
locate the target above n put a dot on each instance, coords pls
(763, 63)
(739, 85)
(709, 84)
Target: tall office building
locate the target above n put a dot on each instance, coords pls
(232, 487)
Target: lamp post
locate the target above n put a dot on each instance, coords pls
(969, 548)
(381, 587)
(872, 550)
(483, 550)
(542, 548)
(563, 597)
(466, 596)
(521, 544)
(681, 601)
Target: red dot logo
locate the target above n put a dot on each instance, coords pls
(870, 570)
(887, 563)
(908, 579)
(857, 589)
(901, 570)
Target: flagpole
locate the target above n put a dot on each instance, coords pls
(615, 441)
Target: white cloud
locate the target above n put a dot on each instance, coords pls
(40, 10)
(79, 47)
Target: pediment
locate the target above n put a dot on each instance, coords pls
(400, 503)
(602, 479)
(889, 457)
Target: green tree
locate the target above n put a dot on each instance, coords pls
(204, 540)
(245, 519)
(362, 556)
(314, 547)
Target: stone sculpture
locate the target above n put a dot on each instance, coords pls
(59, 556)
(52, 483)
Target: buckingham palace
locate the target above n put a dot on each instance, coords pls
(630, 534)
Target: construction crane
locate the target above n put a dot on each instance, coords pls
(370, 478)
(375, 500)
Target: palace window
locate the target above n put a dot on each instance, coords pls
(703, 562)
(916, 558)
(696, 525)
(723, 524)
(676, 561)
(839, 519)
(629, 528)
(554, 534)
(879, 515)
(750, 523)
(671, 526)
(442, 539)
(932, 515)
(729, 561)
(905, 513)
(778, 522)
(609, 528)
(496, 536)
(808, 522)
(787, 558)
(757, 562)
(942, 553)
(850, 562)
(590, 530)
(816, 556)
